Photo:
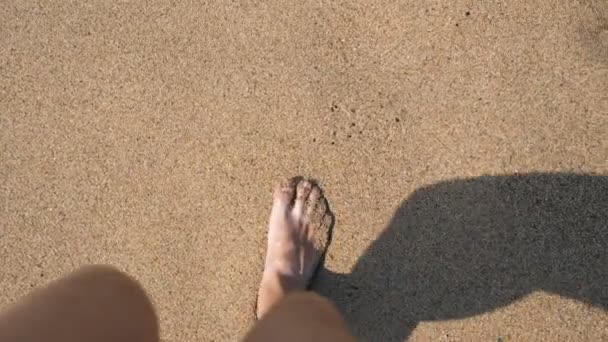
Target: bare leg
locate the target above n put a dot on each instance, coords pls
(301, 316)
(96, 303)
(101, 304)
(298, 234)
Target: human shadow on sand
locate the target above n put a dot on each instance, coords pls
(464, 247)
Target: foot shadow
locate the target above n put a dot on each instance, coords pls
(464, 247)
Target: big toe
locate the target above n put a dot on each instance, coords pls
(285, 191)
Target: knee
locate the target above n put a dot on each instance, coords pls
(303, 316)
(103, 275)
(310, 303)
(94, 301)
(103, 281)
(110, 290)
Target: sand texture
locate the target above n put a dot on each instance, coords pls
(462, 145)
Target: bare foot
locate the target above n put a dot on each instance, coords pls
(298, 234)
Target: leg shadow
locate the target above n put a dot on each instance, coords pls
(464, 247)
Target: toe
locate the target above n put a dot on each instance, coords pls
(302, 192)
(314, 196)
(316, 206)
(320, 235)
(285, 191)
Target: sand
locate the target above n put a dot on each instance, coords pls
(149, 136)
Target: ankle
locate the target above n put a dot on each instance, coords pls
(284, 280)
(276, 286)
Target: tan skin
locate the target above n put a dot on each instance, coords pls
(100, 303)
